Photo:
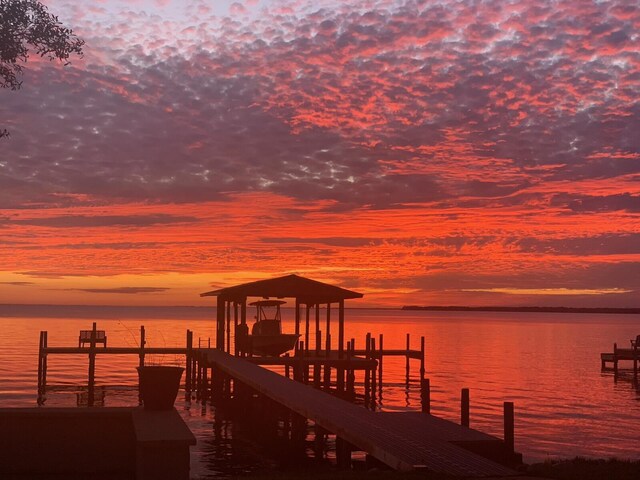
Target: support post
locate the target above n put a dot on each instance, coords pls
(297, 318)
(328, 329)
(635, 362)
(464, 407)
(421, 357)
(318, 333)
(373, 375)
(143, 342)
(327, 369)
(343, 453)
(380, 345)
(407, 358)
(615, 360)
(187, 386)
(509, 427)
(287, 368)
(44, 362)
(92, 365)
(341, 329)
(235, 327)
(367, 371)
(220, 323)
(40, 364)
(425, 395)
(228, 322)
(306, 327)
(205, 385)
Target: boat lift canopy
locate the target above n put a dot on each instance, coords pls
(304, 290)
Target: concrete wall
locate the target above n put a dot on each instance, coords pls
(93, 443)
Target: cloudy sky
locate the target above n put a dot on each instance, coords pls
(479, 152)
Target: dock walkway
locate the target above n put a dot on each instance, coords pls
(403, 441)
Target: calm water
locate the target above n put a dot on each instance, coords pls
(548, 364)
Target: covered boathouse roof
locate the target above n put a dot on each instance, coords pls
(303, 289)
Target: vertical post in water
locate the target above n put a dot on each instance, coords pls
(373, 375)
(340, 328)
(143, 342)
(92, 365)
(425, 395)
(380, 346)
(44, 362)
(318, 333)
(615, 360)
(509, 427)
(40, 365)
(327, 368)
(187, 380)
(635, 360)
(328, 330)
(287, 372)
(367, 370)
(220, 314)
(306, 326)
(297, 330)
(407, 358)
(421, 357)
(464, 407)
(228, 320)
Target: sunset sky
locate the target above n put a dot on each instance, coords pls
(420, 152)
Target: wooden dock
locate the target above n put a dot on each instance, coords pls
(622, 354)
(319, 385)
(403, 441)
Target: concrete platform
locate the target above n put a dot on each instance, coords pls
(93, 443)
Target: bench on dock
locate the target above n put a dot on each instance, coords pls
(85, 337)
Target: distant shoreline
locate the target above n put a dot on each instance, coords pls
(453, 308)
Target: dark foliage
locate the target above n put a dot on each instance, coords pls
(26, 27)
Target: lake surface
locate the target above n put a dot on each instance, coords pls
(547, 363)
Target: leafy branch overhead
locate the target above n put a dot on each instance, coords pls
(26, 27)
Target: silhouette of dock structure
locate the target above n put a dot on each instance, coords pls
(403, 441)
(319, 385)
(623, 354)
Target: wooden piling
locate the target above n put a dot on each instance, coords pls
(143, 342)
(306, 327)
(422, 350)
(41, 354)
(327, 368)
(464, 407)
(92, 365)
(44, 362)
(380, 345)
(407, 357)
(509, 426)
(373, 375)
(189, 355)
(615, 360)
(228, 322)
(425, 395)
(367, 372)
(635, 362)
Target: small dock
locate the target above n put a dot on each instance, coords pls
(403, 441)
(622, 354)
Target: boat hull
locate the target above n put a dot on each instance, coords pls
(272, 345)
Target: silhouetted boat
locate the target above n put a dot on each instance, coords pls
(266, 334)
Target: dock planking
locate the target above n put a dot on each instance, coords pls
(396, 439)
